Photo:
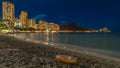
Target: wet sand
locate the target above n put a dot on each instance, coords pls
(16, 53)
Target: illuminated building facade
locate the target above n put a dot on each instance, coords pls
(8, 18)
(8, 11)
(32, 23)
(54, 27)
(24, 19)
(105, 30)
(43, 25)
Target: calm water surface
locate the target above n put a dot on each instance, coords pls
(98, 41)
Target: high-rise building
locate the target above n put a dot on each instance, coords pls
(8, 11)
(24, 19)
(31, 23)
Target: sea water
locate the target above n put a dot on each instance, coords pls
(101, 42)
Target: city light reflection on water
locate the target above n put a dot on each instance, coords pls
(98, 41)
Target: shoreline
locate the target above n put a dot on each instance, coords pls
(29, 50)
(55, 32)
(105, 53)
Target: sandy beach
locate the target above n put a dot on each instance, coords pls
(16, 53)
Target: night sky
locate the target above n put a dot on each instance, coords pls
(90, 14)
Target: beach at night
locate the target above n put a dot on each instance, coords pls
(59, 34)
(19, 53)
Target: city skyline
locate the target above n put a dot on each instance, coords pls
(23, 22)
(88, 14)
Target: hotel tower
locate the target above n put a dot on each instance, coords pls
(24, 19)
(8, 11)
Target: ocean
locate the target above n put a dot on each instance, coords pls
(105, 43)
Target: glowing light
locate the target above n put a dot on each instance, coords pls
(51, 44)
(46, 43)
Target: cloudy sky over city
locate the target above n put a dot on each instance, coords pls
(92, 14)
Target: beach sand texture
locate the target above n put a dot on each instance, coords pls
(16, 53)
